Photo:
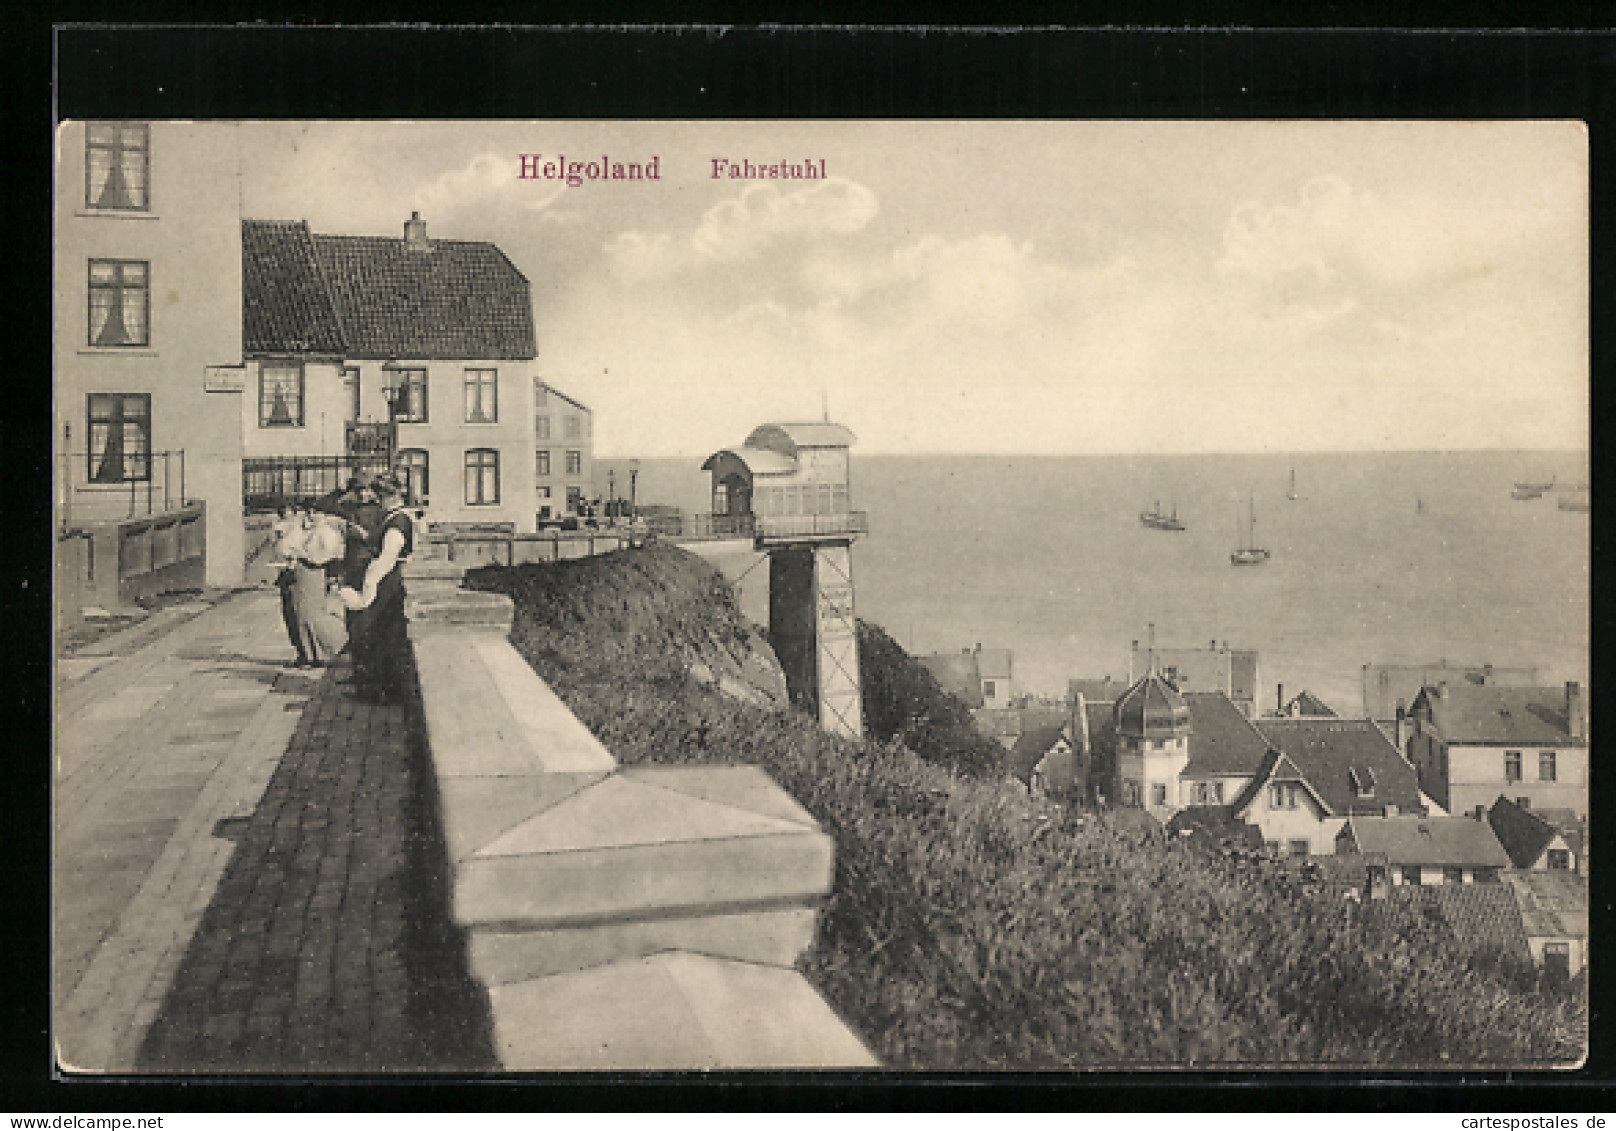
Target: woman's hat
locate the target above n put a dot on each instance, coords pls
(324, 543)
(387, 484)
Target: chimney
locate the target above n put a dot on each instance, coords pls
(1576, 712)
(415, 234)
(1279, 698)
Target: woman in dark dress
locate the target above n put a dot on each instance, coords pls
(377, 633)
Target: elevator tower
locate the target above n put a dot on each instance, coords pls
(788, 487)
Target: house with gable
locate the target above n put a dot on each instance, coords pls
(1554, 914)
(419, 348)
(1426, 851)
(1533, 843)
(1226, 750)
(1318, 773)
(1473, 743)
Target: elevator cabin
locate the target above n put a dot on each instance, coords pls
(788, 488)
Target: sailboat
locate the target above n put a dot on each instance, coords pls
(1158, 519)
(1291, 494)
(1249, 553)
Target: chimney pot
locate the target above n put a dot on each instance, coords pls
(415, 234)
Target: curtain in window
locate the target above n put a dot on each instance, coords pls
(117, 303)
(281, 396)
(120, 437)
(115, 166)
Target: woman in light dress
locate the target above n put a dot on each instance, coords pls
(308, 544)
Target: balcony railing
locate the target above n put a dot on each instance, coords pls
(786, 527)
(153, 483)
(269, 482)
(717, 526)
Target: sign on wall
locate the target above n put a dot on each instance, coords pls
(224, 378)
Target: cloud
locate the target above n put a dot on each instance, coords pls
(762, 216)
(488, 179)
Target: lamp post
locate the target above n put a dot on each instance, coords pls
(633, 490)
(611, 494)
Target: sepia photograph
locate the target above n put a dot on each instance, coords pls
(848, 595)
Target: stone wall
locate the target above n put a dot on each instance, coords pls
(642, 918)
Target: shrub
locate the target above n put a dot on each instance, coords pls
(903, 702)
(973, 927)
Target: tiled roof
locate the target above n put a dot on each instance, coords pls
(1482, 917)
(1031, 747)
(1222, 739)
(1429, 841)
(1307, 705)
(1552, 904)
(1105, 690)
(370, 297)
(955, 673)
(1385, 684)
(1465, 713)
(1151, 707)
(458, 301)
(1335, 755)
(1522, 833)
(994, 663)
(285, 306)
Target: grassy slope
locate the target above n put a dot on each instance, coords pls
(973, 928)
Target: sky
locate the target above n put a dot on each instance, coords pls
(1013, 287)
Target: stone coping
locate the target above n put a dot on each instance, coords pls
(640, 918)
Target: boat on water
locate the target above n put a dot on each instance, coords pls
(1248, 552)
(1532, 489)
(1574, 501)
(1158, 519)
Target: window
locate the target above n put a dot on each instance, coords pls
(482, 477)
(1452, 875)
(721, 498)
(280, 396)
(120, 437)
(574, 428)
(575, 463)
(482, 396)
(1363, 781)
(1300, 847)
(541, 427)
(412, 469)
(989, 689)
(408, 392)
(1557, 959)
(120, 302)
(1545, 765)
(1209, 793)
(350, 390)
(1559, 860)
(1512, 765)
(116, 165)
(575, 499)
(541, 394)
(1282, 795)
(1486, 875)
(1272, 846)
(541, 463)
(1158, 793)
(1411, 874)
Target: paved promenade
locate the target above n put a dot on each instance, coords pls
(243, 881)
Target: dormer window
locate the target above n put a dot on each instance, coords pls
(1363, 781)
(116, 165)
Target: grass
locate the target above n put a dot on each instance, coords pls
(973, 927)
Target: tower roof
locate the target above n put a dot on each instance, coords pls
(1151, 708)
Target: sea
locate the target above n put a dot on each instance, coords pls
(1391, 557)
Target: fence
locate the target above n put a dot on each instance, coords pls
(269, 482)
(149, 484)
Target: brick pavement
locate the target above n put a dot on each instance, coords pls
(241, 877)
(152, 749)
(327, 946)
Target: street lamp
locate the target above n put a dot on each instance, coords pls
(633, 490)
(611, 494)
